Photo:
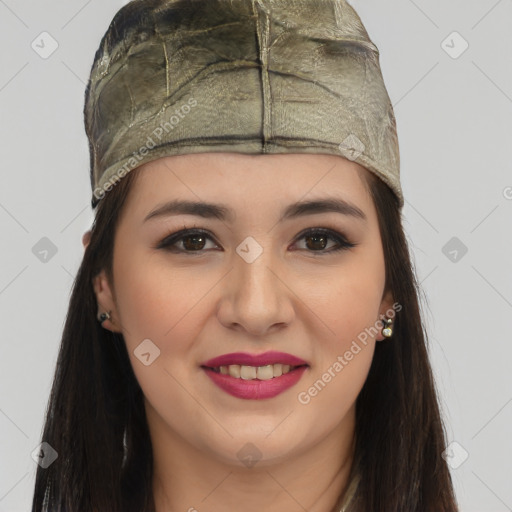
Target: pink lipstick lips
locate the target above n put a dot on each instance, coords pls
(255, 377)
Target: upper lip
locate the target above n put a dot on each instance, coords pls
(244, 358)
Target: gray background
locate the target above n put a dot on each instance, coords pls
(453, 111)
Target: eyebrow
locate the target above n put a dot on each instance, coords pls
(224, 213)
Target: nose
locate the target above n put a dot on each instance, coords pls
(257, 298)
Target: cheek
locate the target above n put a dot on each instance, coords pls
(343, 357)
(345, 303)
(156, 302)
(346, 298)
(355, 308)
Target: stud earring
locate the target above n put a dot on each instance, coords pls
(387, 331)
(104, 316)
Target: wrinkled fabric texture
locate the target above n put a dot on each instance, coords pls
(248, 76)
(348, 501)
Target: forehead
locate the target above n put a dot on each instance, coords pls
(248, 182)
(249, 189)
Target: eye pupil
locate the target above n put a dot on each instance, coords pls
(192, 246)
(316, 238)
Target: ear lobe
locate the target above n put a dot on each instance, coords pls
(388, 310)
(106, 301)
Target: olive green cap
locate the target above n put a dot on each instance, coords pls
(248, 76)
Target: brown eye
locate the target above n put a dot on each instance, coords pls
(190, 240)
(317, 240)
(194, 242)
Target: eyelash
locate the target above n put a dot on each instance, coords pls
(171, 240)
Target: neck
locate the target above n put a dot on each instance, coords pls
(187, 479)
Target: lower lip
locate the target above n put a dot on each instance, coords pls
(256, 389)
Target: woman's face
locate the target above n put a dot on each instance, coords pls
(264, 274)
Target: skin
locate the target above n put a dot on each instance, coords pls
(295, 298)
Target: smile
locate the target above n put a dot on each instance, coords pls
(267, 372)
(269, 375)
(247, 384)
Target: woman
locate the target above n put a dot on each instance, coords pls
(259, 343)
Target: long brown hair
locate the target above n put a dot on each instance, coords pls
(96, 421)
(400, 436)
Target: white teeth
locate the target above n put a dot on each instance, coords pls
(244, 372)
(278, 370)
(247, 372)
(265, 372)
(234, 370)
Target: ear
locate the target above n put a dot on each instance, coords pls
(86, 238)
(106, 301)
(387, 310)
